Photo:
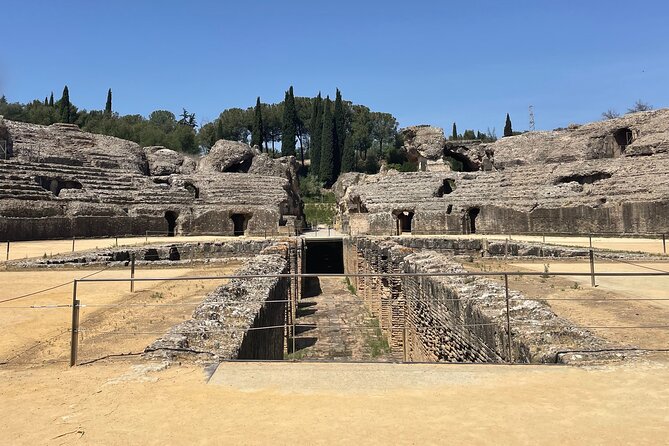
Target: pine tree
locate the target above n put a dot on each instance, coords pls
(108, 105)
(257, 131)
(327, 144)
(51, 99)
(340, 134)
(289, 129)
(455, 132)
(316, 129)
(508, 131)
(65, 106)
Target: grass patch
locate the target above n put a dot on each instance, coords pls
(322, 213)
(295, 356)
(376, 341)
(349, 286)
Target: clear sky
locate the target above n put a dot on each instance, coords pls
(431, 62)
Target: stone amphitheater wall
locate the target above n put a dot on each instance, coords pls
(631, 217)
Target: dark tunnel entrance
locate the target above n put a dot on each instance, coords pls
(473, 213)
(240, 223)
(171, 218)
(404, 222)
(324, 256)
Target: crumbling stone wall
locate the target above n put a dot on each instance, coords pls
(123, 189)
(565, 181)
(226, 325)
(154, 254)
(459, 319)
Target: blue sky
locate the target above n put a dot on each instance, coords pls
(423, 61)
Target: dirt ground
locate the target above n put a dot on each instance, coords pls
(113, 320)
(608, 305)
(38, 248)
(112, 403)
(130, 401)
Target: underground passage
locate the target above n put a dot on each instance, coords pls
(324, 256)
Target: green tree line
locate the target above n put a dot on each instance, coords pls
(161, 128)
(328, 136)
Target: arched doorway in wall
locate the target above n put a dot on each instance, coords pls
(404, 222)
(473, 213)
(171, 218)
(240, 223)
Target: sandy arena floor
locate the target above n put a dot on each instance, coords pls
(38, 248)
(113, 320)
(129, 401)
(287, 403)
(608, 306)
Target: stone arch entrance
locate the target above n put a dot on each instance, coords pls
(404, 222)
(240, 223)
(171, 218)
(472, 213)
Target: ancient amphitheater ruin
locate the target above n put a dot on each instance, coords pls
(430, 258)
(604, 177)
(60, 182)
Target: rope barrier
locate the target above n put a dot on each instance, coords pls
(632, 264)
(51, 288)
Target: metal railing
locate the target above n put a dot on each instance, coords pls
(76, 303)
(132, 280)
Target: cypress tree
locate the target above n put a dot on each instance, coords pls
(327, 144)
(289, 130)
(316, 129)
(348, 158)
(108, 105)
(340, 134)
(219, 130)
(455, 132)
(51, 99)
(508, 131)
(46, 100)
(257, 130)
(65, 106)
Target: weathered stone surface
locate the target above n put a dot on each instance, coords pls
(424, 141)
(164, 161)
(219, 327)
(455, 318)
(637, 134)
(284, 167)
(228, 156)
(61, 182)
(583, 193)
(5, 137)
(648, 134)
